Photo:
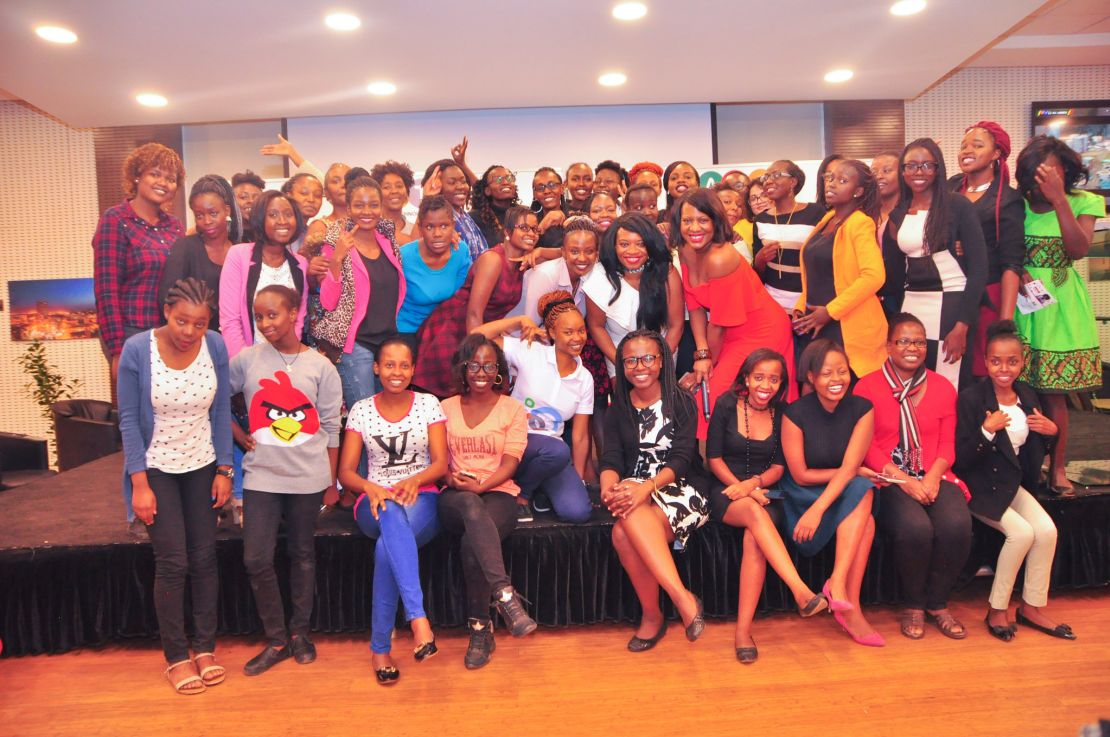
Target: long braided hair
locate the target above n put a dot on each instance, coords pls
(217, 185)
(1001, 168)
(868, 202)
(481, 206)
(936, 222)
(676, 402)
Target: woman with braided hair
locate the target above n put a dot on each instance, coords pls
(556, 389)
(219, 226)
(175, 419)
(493, 194)
(985, 181)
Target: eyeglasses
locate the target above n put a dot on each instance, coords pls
(773, 176)
(915, 342)
(505, 179)
(741, 186)
(474, 367)
(632, 361)
(525, 228)
(912, 167)
(549, 187)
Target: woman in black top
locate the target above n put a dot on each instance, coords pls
(200, 256)
(744, 449)
(985, 182)
(652, 481)
(825, 437)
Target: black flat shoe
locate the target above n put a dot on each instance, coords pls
(304, 652)
(1006, 634)
(815, 605)
(387, 676)
(639, 644)
(747, 655)
(425, 651)
(1061, 630)
(697, 624)
(266, 659)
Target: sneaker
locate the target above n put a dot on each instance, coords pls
(304, 652)
(481, 645)
(509, 604)
(541, 503)
(524, 512)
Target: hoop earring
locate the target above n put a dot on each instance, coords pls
(498, 380)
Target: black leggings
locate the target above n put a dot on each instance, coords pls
(483, 520)
(262, 513)
(183, 536)
(931, 542)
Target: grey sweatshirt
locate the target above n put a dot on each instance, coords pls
(294, 418)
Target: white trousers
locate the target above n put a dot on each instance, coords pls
(1030, 537)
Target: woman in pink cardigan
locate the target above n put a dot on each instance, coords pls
(249, 267)
(362, 291)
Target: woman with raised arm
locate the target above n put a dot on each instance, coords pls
(653, 483)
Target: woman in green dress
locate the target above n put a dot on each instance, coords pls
(1062, 337)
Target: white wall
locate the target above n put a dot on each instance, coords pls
(522, 139)
(228, 148)
(766, 132)
(48, 214)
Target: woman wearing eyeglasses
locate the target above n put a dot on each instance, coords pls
(936, 260)
(492, 288)
(652, 481)
(487, 433)
(549, 206)
(778, 237)
(923, 508)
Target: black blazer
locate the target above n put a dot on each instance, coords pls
(1005, 239)
(963, 226)
(990, 468)
(622, 444)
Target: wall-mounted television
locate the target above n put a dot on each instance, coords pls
(1085, 126)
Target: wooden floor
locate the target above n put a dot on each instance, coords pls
(810, 680)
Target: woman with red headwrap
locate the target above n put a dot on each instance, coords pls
(985, 181)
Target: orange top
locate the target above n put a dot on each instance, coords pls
(478, 450)
(729, 298)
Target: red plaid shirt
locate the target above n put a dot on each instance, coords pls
(128, 256)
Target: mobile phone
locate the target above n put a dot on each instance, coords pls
(888, 479)
(467, 475)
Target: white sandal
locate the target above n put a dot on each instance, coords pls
(208, 669)
(179, 686)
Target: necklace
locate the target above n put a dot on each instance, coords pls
(637, 270)
(748, 441)
(981, 187)
(778, 256)
(288, 364)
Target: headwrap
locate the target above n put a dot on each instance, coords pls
(1002, 142)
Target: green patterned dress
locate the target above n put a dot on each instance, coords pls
(1063, 338)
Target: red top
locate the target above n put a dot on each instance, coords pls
(936, 419)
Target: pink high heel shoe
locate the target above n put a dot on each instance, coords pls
(872, 640)
(836, 605)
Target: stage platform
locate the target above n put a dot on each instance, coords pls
(72, 575)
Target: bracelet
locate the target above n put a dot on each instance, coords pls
(702, 354)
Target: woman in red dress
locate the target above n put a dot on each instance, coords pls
(731, 314)
(492, 288)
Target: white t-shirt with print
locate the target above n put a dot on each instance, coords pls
(396, 450)
(550, 399)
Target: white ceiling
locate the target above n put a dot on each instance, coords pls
(258, 59)
(1060, 33)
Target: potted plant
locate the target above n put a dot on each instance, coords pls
(47, 385)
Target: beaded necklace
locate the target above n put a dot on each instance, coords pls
(748, 442)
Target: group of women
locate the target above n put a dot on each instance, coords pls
(489, 354)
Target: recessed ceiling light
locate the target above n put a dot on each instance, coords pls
(907, 7)
(56, 34)
(342, 22)
(837, 76)
(612, 79)
(381, 88)
(151, 99)
(629, 11)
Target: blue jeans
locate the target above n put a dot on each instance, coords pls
(356, 372)
(399, 532)
(547, 466)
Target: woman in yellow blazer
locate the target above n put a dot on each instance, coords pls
(842, 269)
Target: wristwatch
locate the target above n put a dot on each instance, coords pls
(227, 472)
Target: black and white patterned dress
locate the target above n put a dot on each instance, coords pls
(685, 507)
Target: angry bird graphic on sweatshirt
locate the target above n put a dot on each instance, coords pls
(280, 413)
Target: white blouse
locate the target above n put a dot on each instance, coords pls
(181, 398)
(271, 275)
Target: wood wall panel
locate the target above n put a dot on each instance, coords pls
(112, 146)
(860, 129)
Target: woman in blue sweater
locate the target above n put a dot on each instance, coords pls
(175, 420)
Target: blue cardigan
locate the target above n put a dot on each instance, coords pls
(136, 413)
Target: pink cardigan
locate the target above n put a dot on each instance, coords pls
(331, 288)
(236, 324)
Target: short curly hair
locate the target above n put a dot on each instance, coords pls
(148, 156)
(404, 171)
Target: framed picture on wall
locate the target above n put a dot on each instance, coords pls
(53, 309)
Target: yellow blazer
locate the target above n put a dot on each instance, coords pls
(858, 273)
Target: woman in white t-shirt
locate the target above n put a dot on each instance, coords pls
(404, 436)
(555, 388)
